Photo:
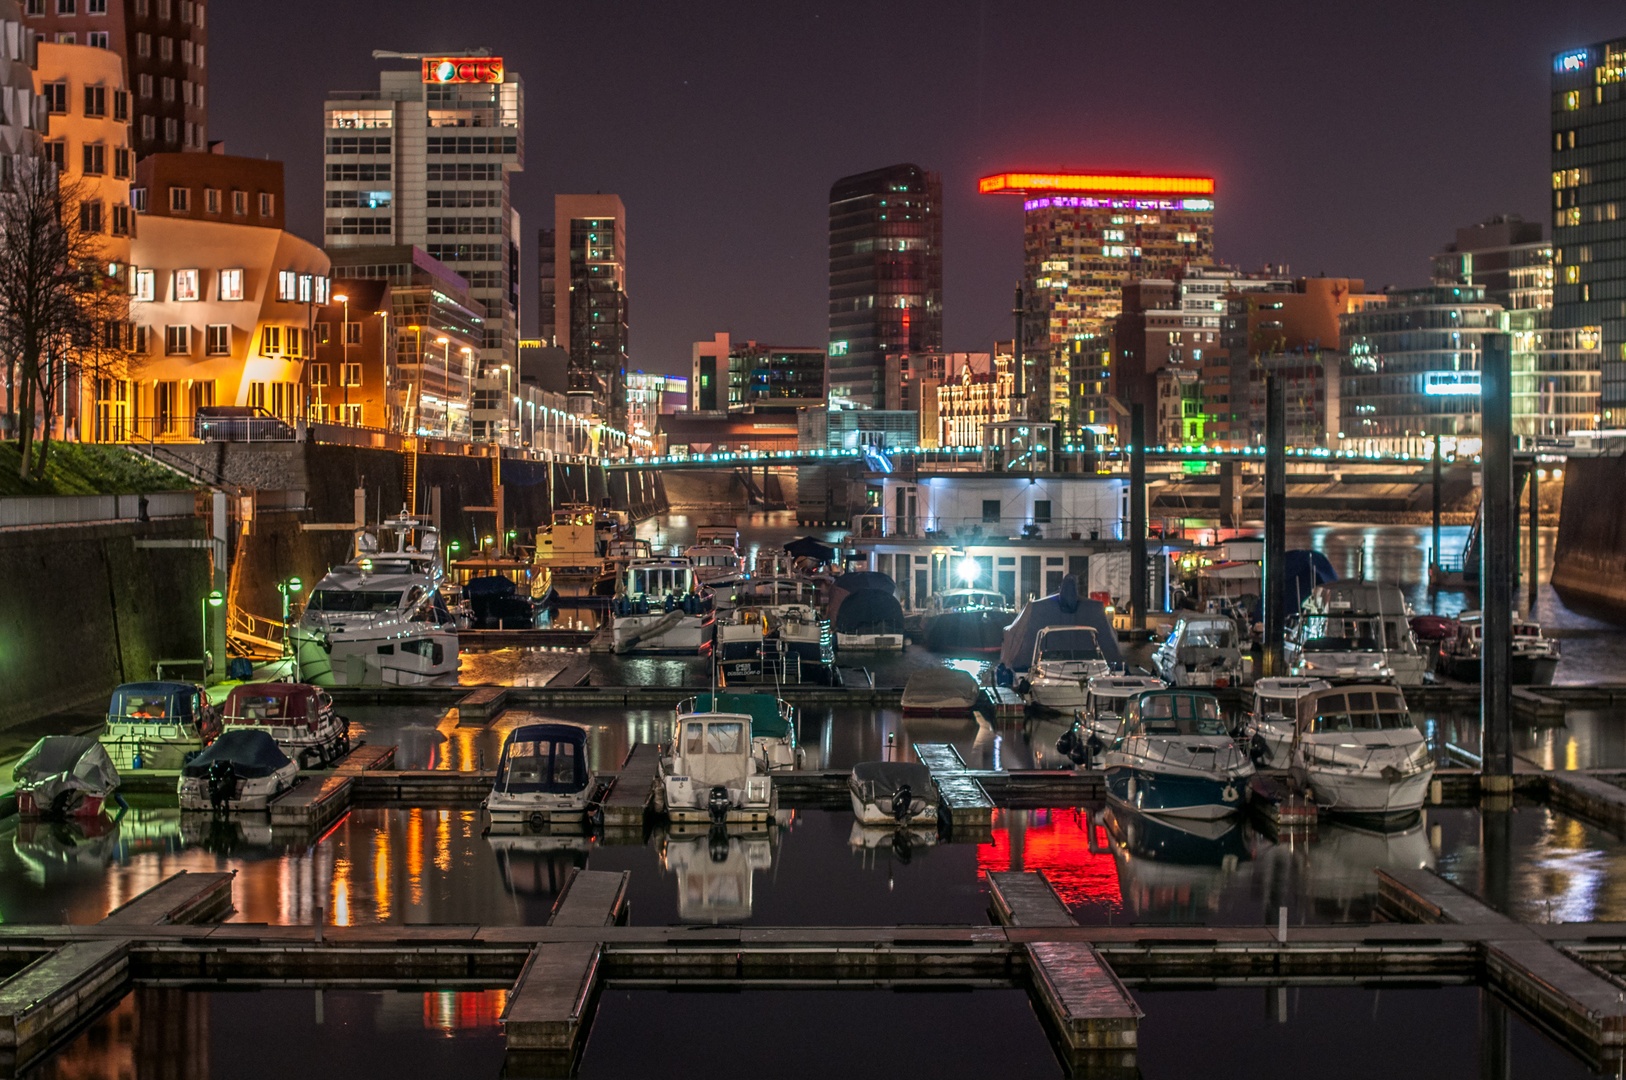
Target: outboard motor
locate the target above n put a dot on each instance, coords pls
(1064, 745)
(1258, 752)
(902, 800)
(222, 780)
(717, 844)
(717, 803)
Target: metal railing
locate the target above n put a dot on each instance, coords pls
(18, 513)
(962, 529)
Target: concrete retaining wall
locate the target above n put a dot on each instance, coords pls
(82, 609)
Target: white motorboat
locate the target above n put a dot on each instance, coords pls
(243, 770)
(298, 716)
(1201, 650)
(1065, 658)
(1096, 724)
(718, 567)
(1534, 660)
(1360, 750)
(1355, 630)
(1269, 729)
(661, 608)
(1173, 756)
(773, 620)
(542, 779)
(379, 619)
(158, 725)
(711, 774)
(893, 793)
(773, 725)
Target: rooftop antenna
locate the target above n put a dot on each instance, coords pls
(386, 54)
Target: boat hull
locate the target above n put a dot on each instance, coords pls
(149, 746)
(1057, 695)
(965, 631)
(345, 660)
(870, 642)
(86, 806)
(1175, 795)
(1340, 791)
(873, 813)
(1522, 670)
(636, 633)
(510, 811)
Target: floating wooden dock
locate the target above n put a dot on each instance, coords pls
(591, 898)
(364, 757)
(963, 800)
(184, 898)
(628, 800)
(482, 705)
(1589, 796)
(1004, 703)
(315, 802)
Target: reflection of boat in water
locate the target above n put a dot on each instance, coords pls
(56, 849)
(903, 843)
(539, 864)
(1341, 861)
(241, 838)
(715, 870)
(1173, 868)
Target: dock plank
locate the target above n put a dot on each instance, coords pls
(629, 797)
(1423, 896)
(1086, 1002)
(182, 898)
(482, 705)
(315, 802)
(1588, 796)
(365, 758)
(551, 997)
(1026, 898)
(49, 997)
(1562, 990)
(960, 794)
(591, 898)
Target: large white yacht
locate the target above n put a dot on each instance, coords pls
(660, 607)
(1355, 630)
(379, 620)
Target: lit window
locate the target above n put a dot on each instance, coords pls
(231, 284)
(287, 285)
(1572, 100)
(186, 285)
(141, 284)
(270, 341)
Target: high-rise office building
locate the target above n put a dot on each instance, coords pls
(425, 161)
(1589, 216)
(886, 280)
(1556, 371)
(582, 280)
(164, 46)
(1085, 234)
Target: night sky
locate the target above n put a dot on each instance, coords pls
(1346, 139)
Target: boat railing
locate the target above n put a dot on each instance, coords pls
(1358, 757)
(1029, 527)
(1225, 757)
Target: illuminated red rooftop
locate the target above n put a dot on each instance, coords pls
(1021, 183)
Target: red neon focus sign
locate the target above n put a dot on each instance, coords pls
(1119, 184)
(462, 69)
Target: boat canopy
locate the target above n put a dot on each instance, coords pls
(1063, 608)
(1377, 707)
(767, 720)
(972, 600)
(62, 763)
(544, 757)
(1069, 643)
(272, 703)
(863, 580)
(808, 548)
(1174, 712)
(252, 754)
(172, 701)
(489, 585)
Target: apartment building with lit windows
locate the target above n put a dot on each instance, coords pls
(164, 46)
(1084, 236)
(223, 300)
(582, 301)
(88, 116)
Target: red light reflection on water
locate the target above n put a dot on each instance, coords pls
(463, 1012)
(1057, 843)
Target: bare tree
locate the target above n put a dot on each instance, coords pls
(64, 311)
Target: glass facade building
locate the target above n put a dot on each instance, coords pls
(1589, 205)
(583, 299)
(886, 279)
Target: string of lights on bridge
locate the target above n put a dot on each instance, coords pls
(879, 458)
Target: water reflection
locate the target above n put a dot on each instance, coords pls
(715, 869)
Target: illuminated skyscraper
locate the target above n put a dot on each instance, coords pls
(583, 299)
(1086, 234)
(886, 279)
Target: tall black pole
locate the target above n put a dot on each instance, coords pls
(1137, 516)
(1275, 568)
(1533, 553)
(1496, 564)
(1434, 552)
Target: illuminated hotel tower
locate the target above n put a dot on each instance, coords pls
(1085, 235)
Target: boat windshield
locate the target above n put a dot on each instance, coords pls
(1360, 710)
(724, 558)
(1270, 706)
(1524, 630)
(723, 738)
(972, 601)
(1329, 633)
(357, 600)
(1209, 636)
(1070, 645)
(145, 706)
(1175, 714)
(535, 763)
(661, 580)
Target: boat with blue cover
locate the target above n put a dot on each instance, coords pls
(542, 779)
(1173, 755)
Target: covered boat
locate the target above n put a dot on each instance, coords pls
(542, 778)
(64, 776)
(773, 725)
(1270, 728)
(158, 725)
(966, 620)
(868, 618)
(1174, 756)
(1065, 658)
(1065, 607)
(711, 774)
(1361, 752)
(242, 770)
(893, 793)
(300, 717)
(940, 692)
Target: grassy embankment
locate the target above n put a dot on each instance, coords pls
(86, 469)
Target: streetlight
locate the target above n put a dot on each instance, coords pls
(213, 600)
(344, 368)
(969, 570)
(287, 589)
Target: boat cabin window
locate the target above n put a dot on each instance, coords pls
(1269, 706)
(1209, 636)
(360, 600)
(973, 601)
(527, 762)
(146, 706)
(1175, 714)
(712, 738)
(262, 708)
(1329, 633)
(1520, 630)
(564, 763)
(726, 558)
(1070, 645)
(1360, 710)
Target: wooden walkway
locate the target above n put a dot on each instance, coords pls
(366, 758)
(315, 802)
(628, 800)
(591, 898)
(962, 797)
(483, 705)
(182, 899)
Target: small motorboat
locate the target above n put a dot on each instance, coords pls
(1174, 756)
(868, 619)
(542, 779)
(940, 692)
(1534, 659)
(966, 620)
(773, 725)
(1270, 728)
(1065, 658)
(158, 725)
(1096, 725)
(711, 773)
(1201, 650)
(892, 793)
(1361, 752)
(64, 776)
(300, 717)
(243, 770)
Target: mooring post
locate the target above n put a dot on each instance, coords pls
(1275, 567)
(1137, 517)
(1533, 552)
(1496, 564)
(1434, 551)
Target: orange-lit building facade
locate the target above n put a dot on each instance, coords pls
(352, 376)
(1084, 236)
(977, 390)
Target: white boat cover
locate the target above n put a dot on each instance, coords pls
(940, 688)
(872, 781)
(58, 764)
